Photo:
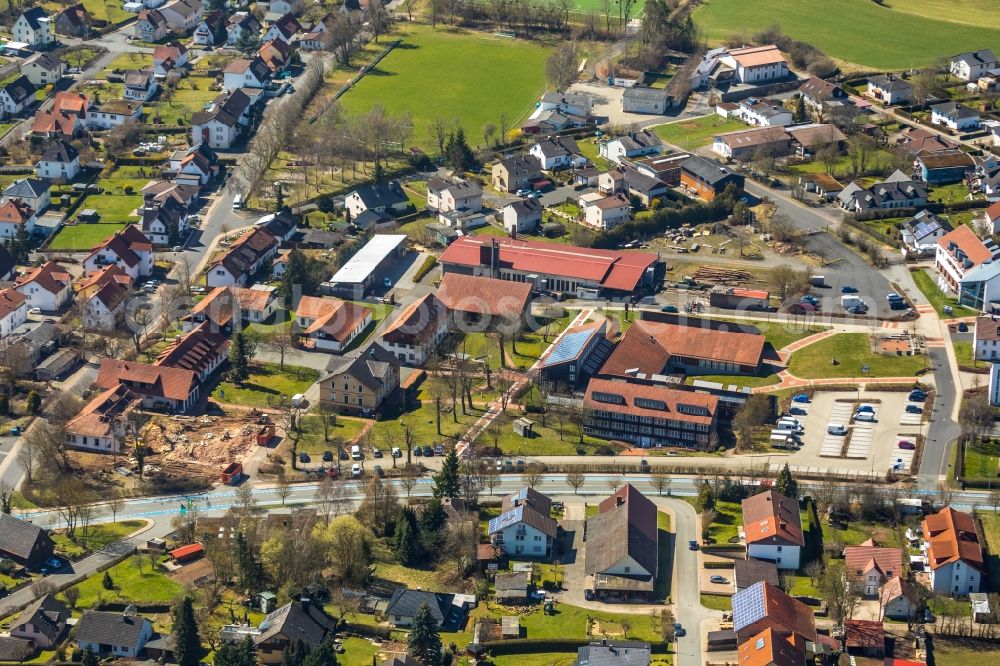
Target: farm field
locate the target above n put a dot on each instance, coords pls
(860, 31)
(508, 76)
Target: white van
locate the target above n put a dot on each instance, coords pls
(237, 202)
(792, 424)
(867, 417)
(837, 429)
(780, 441)
(356, 452)
(783, 432)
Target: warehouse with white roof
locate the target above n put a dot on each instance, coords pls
(366, 268)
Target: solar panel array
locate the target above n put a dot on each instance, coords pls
(924, 228)
(568, 347)
(748, 606)
(505, 520)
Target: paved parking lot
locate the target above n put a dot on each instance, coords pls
(872, 447)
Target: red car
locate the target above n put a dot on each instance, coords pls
(904, 444)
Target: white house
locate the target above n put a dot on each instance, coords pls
(102, 311)
(101, 425)
(756, 64)
(330, 324)
(113, 633)
(763, 113)
(387, 197)
(871, 565)
(212, 29)
(284, 29)
(243, 259)
(17, 95)
(522, 216)
(524, 526)
(958, 253)
(635, 144)
(773, 529)
(43, 69)
(112, 113)
(243, 73)
(240, 23)
(444, 196)
(557, 153)
(571, 104)
(954, 552)
(956, 117)
(33, 192)
(60, 163)
(140, 85)
(15, 214)
(889, 89)
(182, 16)
(13, 311)
(151, 26)
(128, 249)
(607, 212)
(420, 327)
(169, 57)
(972, 65)
(986, 339)
(163, 222)
(34, 28)
(919, 235)
(48, 287)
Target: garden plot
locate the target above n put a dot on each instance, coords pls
(861, 441)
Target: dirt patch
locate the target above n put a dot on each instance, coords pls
(205, 441)
(606, 629)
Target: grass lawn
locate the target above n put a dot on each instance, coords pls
(964, 355)
(412, 578)
(859, 31)
(98, 536)
(345, 431)
(130, 583)
(547, 440)
(981, 460)
(752, 382)
(991, 532)
(728, 519)
(528, 348)
(507, 78)
(691, 134)
(925, 283)
(127, 61)
(122, 177)
(103, 10)
(964, 651)
(112, 207)
(266, 384)
(84, 236)
(852, 351)
(717, 602)
(190, 96)
(421, 417)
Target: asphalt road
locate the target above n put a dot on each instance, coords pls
(942, 430)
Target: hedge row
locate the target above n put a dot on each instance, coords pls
(544, 645)
(425, 268)
(366, 630)
(720, 565)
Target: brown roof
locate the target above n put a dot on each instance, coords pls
(755, 56)
(610, 203)
(987, 328)
(10, 300)
(147, 379)
(250, 247)
(648, 345)
(15, 211)
(110, 273)
(637, 399)
(772, 648)
(195, 351)
(339, 322)
(97, 416)
(484, 296)
(625, 526)
(864, 634)
(50, 276)
(527, 497)
(768, 606)
(111, 293)
(951, 536)
(944, 159)
(219, 303)
(757, 136)
(314, 307)
(237, 66)
(772, 518)
(862, 559)
(417, 321)
(826, 181)
(816, 135)
(893, 588)
(966, 240)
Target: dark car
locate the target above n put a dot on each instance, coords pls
(679, 631)
(963, 327)
(588, 595)
(342, 454)
(378, 470)
(917, 396)
(914, 409)
(797, 411)
(669, 308)
(377, 453)
(692, 545)
(303, 457)
(439, 449)
(428, 451)
(847, 289)
(327, 456)
(909, 446)
(417, 451)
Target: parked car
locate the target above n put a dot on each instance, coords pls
(909, 446)
(869, 409)
(428, 451)
(396, 452)
(810, 299)
(917, 396)
(588, 595)
(679, 631)
(522, 193)
(355, 470)
(837, 429)
(797, 411)
(669, 308)
(801, 397)
(848, 289)
(303, 457)
(914, 409)
(867, 417)
(439, 449)
(692, 545)
(963, 327)
(377, 469)
(327, 456)
(719, 580)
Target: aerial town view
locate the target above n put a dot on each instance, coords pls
(500, 332)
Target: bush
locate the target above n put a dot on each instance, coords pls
(425, 268)
(604, 450)
(34, 402)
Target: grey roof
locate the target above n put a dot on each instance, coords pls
(370, 218)
(890, 83)
(750, 571)
(982, 56)
(559, 146)
(18, 537)
(297, 621)
(926, 223)
(647, 94)
(20, 89)
(460, 188)
(625, 527)
(33, 16)
(521, 165)
(46, 614)
(401, 660)
(706, 170)
(527, 206)
(613, 653)
(639, 141)
(374, 195)
(643, 183)
(955, 110)
(26, 188)
(372, 367)
(512, 582)
(15, 649)
(406, 603)
(45, 60)
(115, 629)
(60, 151)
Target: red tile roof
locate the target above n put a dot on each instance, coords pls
(417, 321)
(864, 558)
(147, 379)
(648, 345)
(951, 536)
(611, 269)
(50, 276)
(968, 242)
(772, 518)
(864, 634)
(339, 322)
(110, 273)
(97, 416)
(196, 351)
(10, 300)
(484, 296)
(772, 648)
(15, 211)
(632, 396)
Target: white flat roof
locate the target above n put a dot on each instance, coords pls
(361, 265)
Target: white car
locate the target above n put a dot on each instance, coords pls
(836, 429)
(356, 470)
(35, 311)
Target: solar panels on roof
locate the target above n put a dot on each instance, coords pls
(569, 347)
(505, 520)
(748, 606)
